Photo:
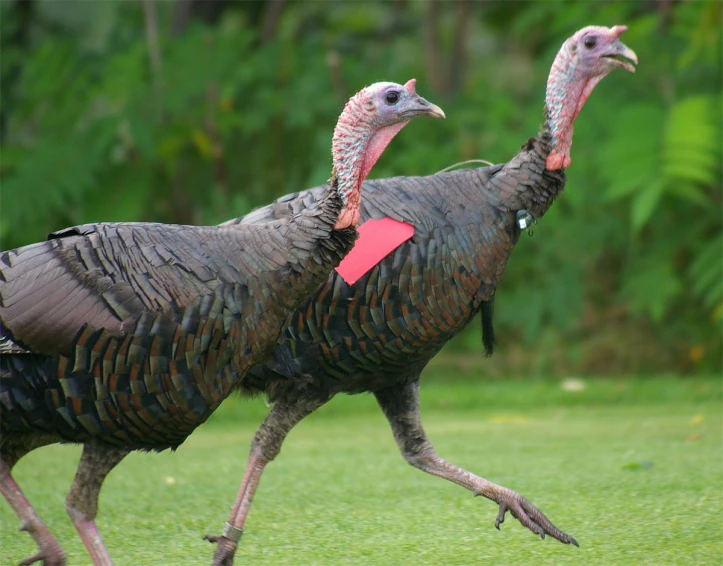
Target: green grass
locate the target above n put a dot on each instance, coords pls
(633, 469)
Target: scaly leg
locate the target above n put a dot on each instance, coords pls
(49, 551)
(264, 448)
(95, 463)
(401, 407)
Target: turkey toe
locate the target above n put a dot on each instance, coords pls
(530, 517)
(48, 557)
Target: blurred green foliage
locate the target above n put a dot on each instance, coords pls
(196, 112)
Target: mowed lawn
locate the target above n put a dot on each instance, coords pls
(632, 468)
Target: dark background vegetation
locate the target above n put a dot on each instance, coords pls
(195, 112)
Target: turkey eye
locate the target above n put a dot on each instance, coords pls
(392, 98)
(590, 41)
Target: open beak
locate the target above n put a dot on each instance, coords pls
(418, 106)
(621, 55)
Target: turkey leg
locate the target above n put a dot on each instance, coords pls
(401, 407)
(264, 448)
(81, 503)
(49, 551)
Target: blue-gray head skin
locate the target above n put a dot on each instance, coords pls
(580, 65)
(370, 120)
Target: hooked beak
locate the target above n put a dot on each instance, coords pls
(621, 55)
(418, 106)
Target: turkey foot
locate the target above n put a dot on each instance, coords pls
(529, 515)
(49, 552)
(225, 550)
(47, 557)
(54, 557)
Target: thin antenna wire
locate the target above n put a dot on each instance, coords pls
(469, 161)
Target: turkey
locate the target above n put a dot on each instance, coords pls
(377, 334)
(127, 336)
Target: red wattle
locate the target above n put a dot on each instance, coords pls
(556, 160)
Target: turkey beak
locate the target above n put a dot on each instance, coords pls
(418, 106)
(621, 55)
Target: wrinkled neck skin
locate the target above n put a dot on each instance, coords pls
(566, 94)
(356, 147)
(525, 183)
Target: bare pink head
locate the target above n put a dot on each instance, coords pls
(370, 120)
(580, 65)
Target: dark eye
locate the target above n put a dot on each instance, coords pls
(590, 41)
(392, 98)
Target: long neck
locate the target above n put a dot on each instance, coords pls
(567, 91)
(356, 146)
(538, 170)
(525, 183)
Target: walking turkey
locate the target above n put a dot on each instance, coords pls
(127, 336)
(377, 334)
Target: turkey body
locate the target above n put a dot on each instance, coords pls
(156, 325)
(379, 333)
(382, 330)
(127, 336)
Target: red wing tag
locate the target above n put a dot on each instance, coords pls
(377, 238)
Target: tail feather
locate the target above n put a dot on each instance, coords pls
(488, 330)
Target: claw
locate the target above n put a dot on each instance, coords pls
(211, 538)
(530, 517)
(501, 516)
(535, 528)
